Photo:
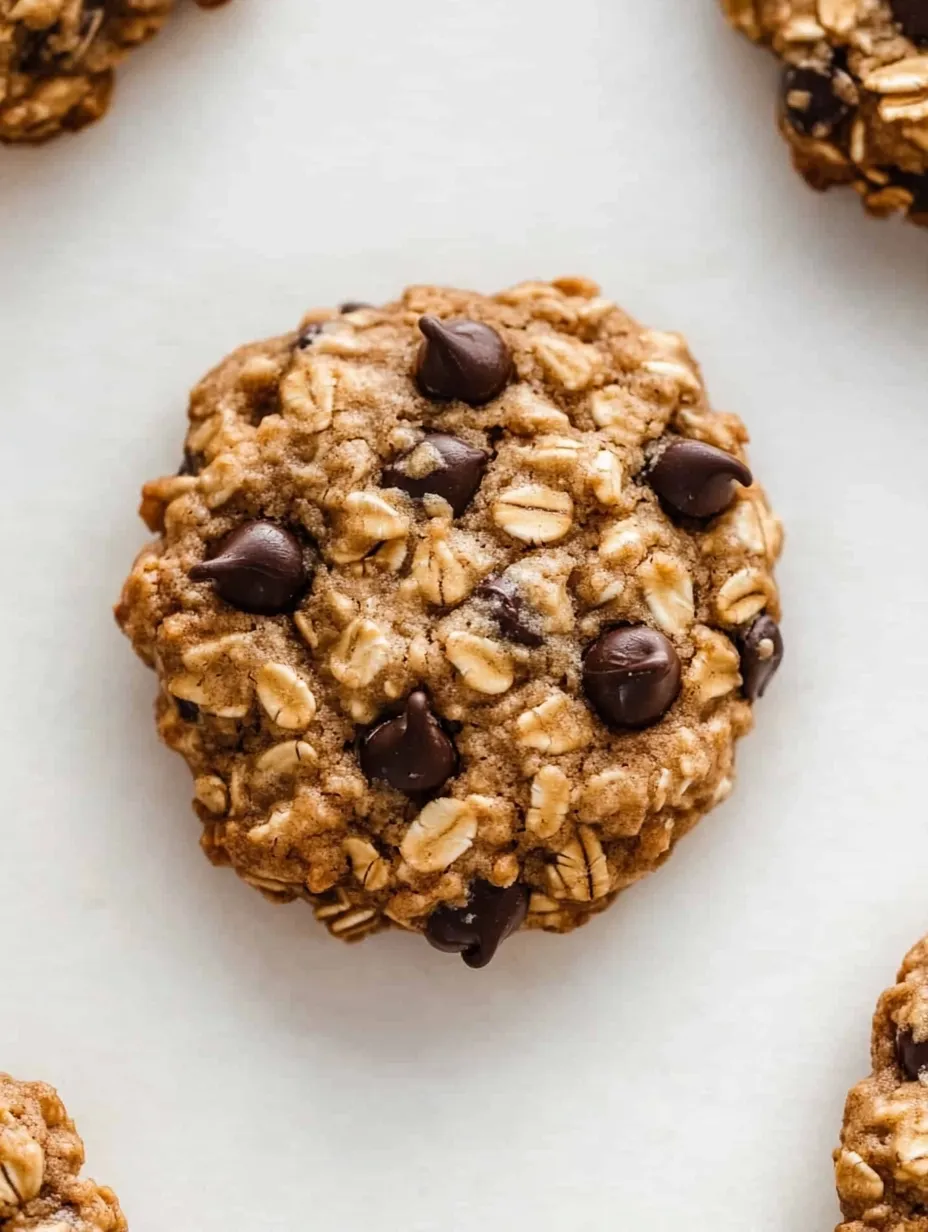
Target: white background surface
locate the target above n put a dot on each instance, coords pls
(682, 1062)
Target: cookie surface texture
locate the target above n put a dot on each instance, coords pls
(458, 607)
(880, 1167)
(40, 1161)
(57, 59)
(853, 93)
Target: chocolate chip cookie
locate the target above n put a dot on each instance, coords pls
(853, 93)
(457, 606)
(40, 1158)
(57, 59)
(881, 1166)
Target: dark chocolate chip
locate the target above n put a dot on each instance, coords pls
(412, 751)
(190, 464)
(462, 359)
(188, 711)
(915, 184)
(510, 611)
(477, 930)
(353, 305)
(912, 1055)
(32, 55)
(308, 334)
(258, 568)
(912, 16)
(761, 655)
(816, 99)
(697, 479)
(456, 477)
(631, 676)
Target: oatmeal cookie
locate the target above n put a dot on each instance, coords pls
(458, 607)
(40, 1158)
(57, 59)
(853, 93)
(881, 1166)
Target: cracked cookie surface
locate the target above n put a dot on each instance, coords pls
(458, 607)
(881, 1166)
(57, 59)
(41, 1156)
(853, 93)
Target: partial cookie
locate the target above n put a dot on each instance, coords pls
(881, 1167)
(458, 607)
(57, 59)
(853, 93)
(40, 1160)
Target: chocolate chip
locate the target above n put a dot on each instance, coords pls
(456, 477)
(761, 655)
(816, 98)
(696, 479)
(353, 305)
(915, 184)
(912, 1055)
(510, 611)
(258, 568)
(188, 711)
(190, 464)
(412, 751)
(308, 334)
(912, 16)
(476, 931)
(462, 359)
(631, 676)
(32, 54)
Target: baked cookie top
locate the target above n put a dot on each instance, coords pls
(881, 1166)
(458, 606)
(57, 59)
(853, 93)
(41, 1157)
